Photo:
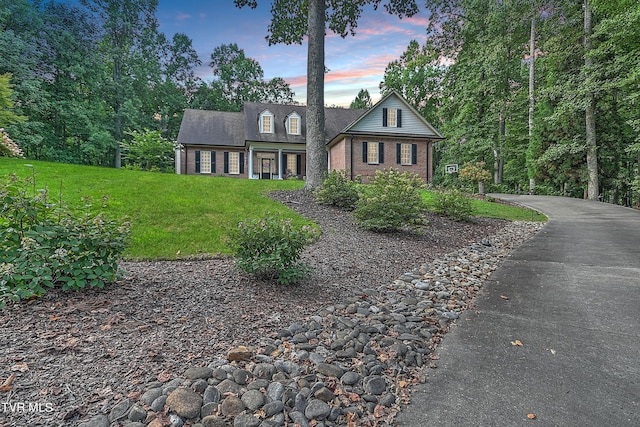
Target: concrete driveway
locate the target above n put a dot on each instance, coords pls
(571, 297)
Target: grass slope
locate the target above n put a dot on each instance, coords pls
(172, 215)
(177, 216)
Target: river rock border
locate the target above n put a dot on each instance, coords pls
(352, 364)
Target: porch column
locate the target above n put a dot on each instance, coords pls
(279, 163)
(250, 162)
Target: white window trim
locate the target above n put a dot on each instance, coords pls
(234, 163)
(392, 112)
(410, 154)
(370, 145)
(205, 166)
(263, 115)
(289, 119)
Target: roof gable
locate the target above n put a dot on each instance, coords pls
(413, 124)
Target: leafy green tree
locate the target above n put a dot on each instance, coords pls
(362, 100)
(291, 21)
(238, 79)
(418, 78)
(7, 115)
(124, 23)
(149, 151)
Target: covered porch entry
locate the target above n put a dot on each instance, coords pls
(280, 162)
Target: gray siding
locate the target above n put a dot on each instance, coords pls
(411, 123)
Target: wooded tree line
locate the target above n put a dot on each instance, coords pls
(545, 92)
(79, 79)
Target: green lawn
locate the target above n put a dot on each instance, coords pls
(178, 216)
(173, 215)
(492, 209)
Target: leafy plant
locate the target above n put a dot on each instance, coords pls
(475, 173)
(270, 248)
(392, 200)
(45, 245)
(149, 151)
(339, 190)
(454, 204)
(8, 148)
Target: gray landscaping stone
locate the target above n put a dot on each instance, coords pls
(298, 417)
(317, 410)
(330, 370)
(136, 413)
(272, 408)
(232, 406)
(185, 402)
(253, 399)
(246, 420)
(150, 395)
(375, 385)
(214, 421)
(120, 411)
(158, 404)
(210, 408)
(211, 394)
(97, 421)
(198, 373)
(228, 386)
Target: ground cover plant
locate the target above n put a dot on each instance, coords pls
(173, 216)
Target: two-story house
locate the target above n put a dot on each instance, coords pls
(267, 141)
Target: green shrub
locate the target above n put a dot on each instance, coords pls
(149, 151)
(454, 204)
(44, 245)
(392, 200)
(339, 190)
(270, 248)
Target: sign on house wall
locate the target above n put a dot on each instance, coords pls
(453, 168)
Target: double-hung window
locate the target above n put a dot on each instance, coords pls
(406, 154)
(392, 117)
(373, 152)
(205, 161)
(293, 124)
(266, 122)
(234, 163)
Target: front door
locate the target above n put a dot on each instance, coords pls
(266, 169)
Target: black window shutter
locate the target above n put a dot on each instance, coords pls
(398, 153)
(213, 162)
(283, 163)
(299, 164)
(399, 118)
(380, 152)
(364, 151)
(414, 154)
(384, 117)
(197, 161)
(226, 162)
(241, 162)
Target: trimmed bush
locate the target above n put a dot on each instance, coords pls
(45, 245)
(392, 200)
(454, 204)
(338, 190)
(270, 248)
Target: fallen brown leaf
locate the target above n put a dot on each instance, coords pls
(531, 416)
(20, 367)
(517, 343)
(6, 385)
(504, 297)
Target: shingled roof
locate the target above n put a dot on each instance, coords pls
(206, 127)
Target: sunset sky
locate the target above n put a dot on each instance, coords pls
(355, 62)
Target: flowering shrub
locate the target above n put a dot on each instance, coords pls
(475, 173)
(454, 204)
(45, 246)
(338, 190)
(270, 248)
(392, 200)
(8, 148)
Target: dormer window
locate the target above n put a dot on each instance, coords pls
(266, 122)
(293, 124)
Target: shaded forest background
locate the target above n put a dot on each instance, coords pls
(545, 93)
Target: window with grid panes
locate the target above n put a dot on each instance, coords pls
(392, 117)
(292, 164)
(372, 153)
(405, 154)
(234, 163)
(205, 162)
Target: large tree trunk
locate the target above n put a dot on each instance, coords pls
(590, 119)
(316, 146)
